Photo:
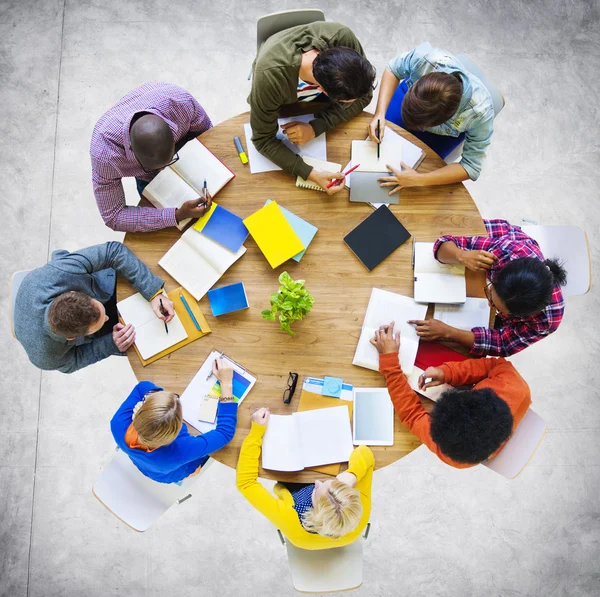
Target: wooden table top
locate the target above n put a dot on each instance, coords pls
(325, 341)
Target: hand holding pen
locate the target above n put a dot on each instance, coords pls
(194, 208)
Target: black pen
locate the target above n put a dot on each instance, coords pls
(162, 310)
(378, 137)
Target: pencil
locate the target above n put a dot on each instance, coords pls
(345, 174)
(378, 138)
(187, 307)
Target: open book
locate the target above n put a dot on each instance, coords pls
(383, 308)
(184, 180)
(474, 313)
(437, 282)
(197, 262)
(150, 334)
(309, 438)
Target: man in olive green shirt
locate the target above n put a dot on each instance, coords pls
(298, 64)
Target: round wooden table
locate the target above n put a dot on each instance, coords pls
(325, 341)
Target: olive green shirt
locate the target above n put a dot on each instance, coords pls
(275, 84)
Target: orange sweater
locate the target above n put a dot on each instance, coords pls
(497, 374)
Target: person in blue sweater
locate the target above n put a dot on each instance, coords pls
(149, 428)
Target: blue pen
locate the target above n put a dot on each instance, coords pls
(185, 304)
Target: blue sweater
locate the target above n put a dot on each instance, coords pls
(179, 459)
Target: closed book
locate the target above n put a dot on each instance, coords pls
(227, 299)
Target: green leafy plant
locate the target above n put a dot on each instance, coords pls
(293, 302)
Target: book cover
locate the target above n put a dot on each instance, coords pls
(305, 231)
(226, 228)
(227, 299)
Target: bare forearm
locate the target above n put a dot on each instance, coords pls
(446, 175)
(463, 337)
(389, 84)
(449, 253)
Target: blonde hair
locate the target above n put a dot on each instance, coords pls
(159, 419)
(336, 513)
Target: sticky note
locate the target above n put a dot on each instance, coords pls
(332, 386)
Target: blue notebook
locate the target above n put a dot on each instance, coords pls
(227, 299)
(305, 231)
(226, 228)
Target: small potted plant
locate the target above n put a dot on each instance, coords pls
(291, 303)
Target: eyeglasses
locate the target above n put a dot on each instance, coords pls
(289, 391)
(173, 160)
(488, 296)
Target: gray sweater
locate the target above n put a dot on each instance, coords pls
(92, 271)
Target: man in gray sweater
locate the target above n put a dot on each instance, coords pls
(65, 312)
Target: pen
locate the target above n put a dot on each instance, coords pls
(185, 304)
(345, 174)
(162, 310)
(378, 138)
(413, 256)
(240, 150)
(211, 373)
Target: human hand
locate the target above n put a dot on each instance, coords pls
(437, 378)
(385, 341)
(261, 417)
(298, 132)
(164, 311)
(432, 329)
(324, 178)
(477, 260)
(194, 208)
(406, 177)
(223, 371)
(373, 128)
(123, 336)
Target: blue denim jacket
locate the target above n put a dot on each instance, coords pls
(475, 114)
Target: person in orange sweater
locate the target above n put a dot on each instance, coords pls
(465, 427)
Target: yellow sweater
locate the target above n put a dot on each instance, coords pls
(280, 510)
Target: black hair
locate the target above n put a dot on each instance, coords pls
(470, 425)
(343, 73)
(525, 285)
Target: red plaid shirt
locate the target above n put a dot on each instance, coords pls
(112, 158)
(509, 242)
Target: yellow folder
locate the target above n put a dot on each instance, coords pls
(273, 234)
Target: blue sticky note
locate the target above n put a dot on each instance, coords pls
(226, 228)
(227, 299)
(304, 231)
(332, 386)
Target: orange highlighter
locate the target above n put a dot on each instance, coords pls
(240, 150)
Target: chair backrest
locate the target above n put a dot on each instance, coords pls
(134, 498)
(15, 283)
(497, 97)
(520, 448)
(326, 570)
(569, 245)
(275, 22)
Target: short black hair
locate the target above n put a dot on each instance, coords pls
(470, 425)
(525, 285)
(343, 73)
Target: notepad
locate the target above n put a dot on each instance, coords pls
(317, 165)
(226, 228)
(273, 234)
(227, 299)
(473, 313)
(305, 231)
(150, 334)
(309, 438)
(437, 282)
(184, 180)
(377, 237)
(197, 262)
(383, 308)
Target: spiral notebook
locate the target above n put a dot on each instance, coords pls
(317, 165)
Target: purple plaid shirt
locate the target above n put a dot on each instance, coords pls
(509, 242)
(112, 158)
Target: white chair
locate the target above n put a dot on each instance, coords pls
(497, 98)
(570, 246)
(520, 448)
(326, 570)
(15, 283)
(135, 499)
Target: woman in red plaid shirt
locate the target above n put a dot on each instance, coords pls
(522, 286)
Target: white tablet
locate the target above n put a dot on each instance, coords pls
(373, 420)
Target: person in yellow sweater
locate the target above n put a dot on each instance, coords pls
(326, 514)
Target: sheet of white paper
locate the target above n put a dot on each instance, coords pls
(432, 393)
(396, 144)
(281, 445)
(473, 313)
(316, 148)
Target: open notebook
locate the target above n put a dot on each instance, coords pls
(197, 262)
(317, 165)
(310, 438)
(184, 180)
(473, 313)
(150, 334)
(437, 282)
(383, 308)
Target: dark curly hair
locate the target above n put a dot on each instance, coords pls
(343, 73)
(525, 285)
(470, 425)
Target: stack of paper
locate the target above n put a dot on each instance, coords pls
(305, 231)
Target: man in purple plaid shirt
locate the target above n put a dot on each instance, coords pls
(523, 288)
(139, 136)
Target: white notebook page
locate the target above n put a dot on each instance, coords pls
(169, 190)
(281, 445)
(474, 313)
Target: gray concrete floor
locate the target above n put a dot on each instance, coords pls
(436, 531)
